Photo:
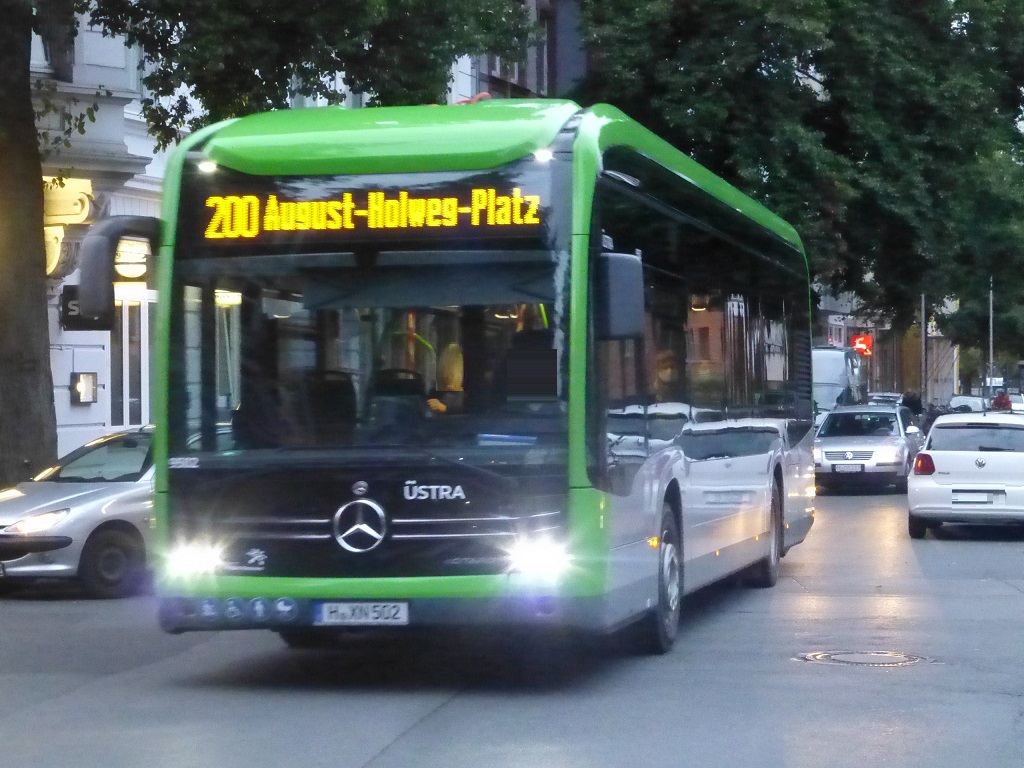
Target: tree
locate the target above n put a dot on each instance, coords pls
(878, 128)
(234, 57)
(244, 56)
(28, 432)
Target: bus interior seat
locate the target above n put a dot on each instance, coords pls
(330, 404)
(537, 338)
(528, 371)
(397, 382)
(397, 398)
(256, 422)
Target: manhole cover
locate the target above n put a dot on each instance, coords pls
(863, 658)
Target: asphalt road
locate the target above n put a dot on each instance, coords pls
(928, 638)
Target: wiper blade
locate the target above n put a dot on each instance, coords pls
(993, 448)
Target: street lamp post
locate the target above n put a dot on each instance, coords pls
(924, 351)
(990, 337)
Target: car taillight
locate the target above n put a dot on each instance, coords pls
(923, 465)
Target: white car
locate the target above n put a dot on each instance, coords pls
(971, 470)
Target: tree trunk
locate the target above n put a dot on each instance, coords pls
(28, 426)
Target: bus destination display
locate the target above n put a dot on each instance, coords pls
(480, 208)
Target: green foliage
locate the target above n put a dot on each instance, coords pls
(884, 130)
(71, 121)
(241, 56)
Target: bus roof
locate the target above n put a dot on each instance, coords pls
(485, 134)
(335, 140)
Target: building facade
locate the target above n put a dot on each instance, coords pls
(101, 378)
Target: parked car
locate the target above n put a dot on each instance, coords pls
(885, 398)
(87, 518)
(971, 470)
(969, 404)
(866, 444)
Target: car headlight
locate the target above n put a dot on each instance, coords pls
(38, 523)
(889, 454)
(194, 559)
(817, 455)
(540, 558)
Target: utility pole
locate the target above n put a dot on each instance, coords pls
(924, 351)
(991, 357)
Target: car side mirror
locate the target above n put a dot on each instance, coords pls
(912, 430)
(620, 296)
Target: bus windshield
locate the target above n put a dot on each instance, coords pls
(332, 352)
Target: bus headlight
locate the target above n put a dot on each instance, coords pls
(194, 560)
(541, 558)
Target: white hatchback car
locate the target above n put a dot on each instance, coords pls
(971, 470)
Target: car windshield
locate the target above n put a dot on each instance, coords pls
(108, 460)
(977, 437)
(860, 424)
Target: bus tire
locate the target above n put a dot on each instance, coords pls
(658, 629)
(765, 573)
(112, 564)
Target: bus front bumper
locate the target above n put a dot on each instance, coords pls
(190, 614)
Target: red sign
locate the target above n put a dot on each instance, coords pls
(862, 344)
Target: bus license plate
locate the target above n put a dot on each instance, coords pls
(362, 614)
(848, 468)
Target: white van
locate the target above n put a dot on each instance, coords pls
(838, 377)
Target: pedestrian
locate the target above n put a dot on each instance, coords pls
(1001, 402)
(912, 400)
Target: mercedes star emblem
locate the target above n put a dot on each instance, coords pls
(360, 525)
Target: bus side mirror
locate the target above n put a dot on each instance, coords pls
(620, 296)
(98, 251)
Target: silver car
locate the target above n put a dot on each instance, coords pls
(858, 445)
(88, 518)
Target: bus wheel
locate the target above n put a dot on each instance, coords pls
(658, 629)
(112, 564)
(765, 573)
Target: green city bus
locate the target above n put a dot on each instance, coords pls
(507, 363)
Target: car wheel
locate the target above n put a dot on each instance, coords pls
(917, 527)
(765, 573)
(112, 564)
(901, 482)
(658, 629)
